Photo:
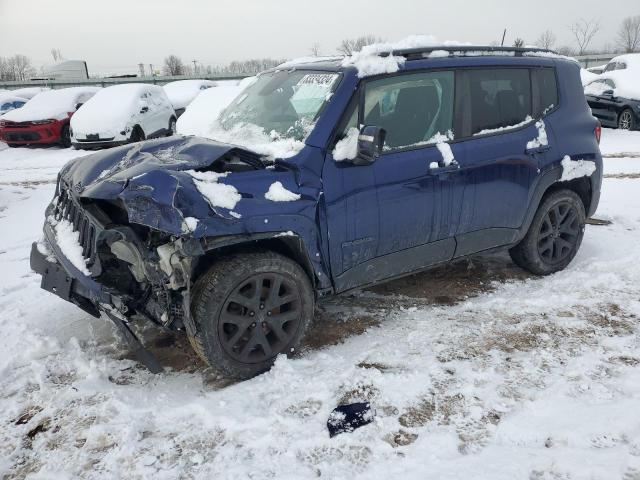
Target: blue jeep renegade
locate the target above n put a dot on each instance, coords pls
(327, 176)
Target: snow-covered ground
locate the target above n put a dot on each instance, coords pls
(476, 370)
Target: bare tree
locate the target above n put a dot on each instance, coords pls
(315, 50)
(351, 45)
(518, 42)
(629, 34)
(566, 51)
(16, 68)
(173, 66)
(56, 54)
(584, 31)
(547, 39)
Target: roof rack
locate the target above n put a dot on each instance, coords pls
(455, 50)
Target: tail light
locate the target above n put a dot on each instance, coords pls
(598, 132)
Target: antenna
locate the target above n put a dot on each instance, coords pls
(504, 34)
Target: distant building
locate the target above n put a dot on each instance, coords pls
(67, 70)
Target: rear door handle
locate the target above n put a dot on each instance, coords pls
(540, 149)
(441, 170)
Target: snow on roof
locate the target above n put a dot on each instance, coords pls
(182, 92)
(54, 104)
(8, 97)
(111, 108)
(306, 60)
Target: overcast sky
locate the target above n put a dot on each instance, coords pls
(116, 35)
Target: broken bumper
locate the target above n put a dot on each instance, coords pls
(62, 278)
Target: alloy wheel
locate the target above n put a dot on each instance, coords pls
(260, 317)
(625, 120)
(558, 233)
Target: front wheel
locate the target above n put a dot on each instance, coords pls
(65, 136)
(554, 236)
(626, 120)
(249, 308)
(172, 127)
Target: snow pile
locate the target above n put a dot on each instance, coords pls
(217, 194)
(109, 110)
(69, 242)
(576, 168)
(347, 148)
(369, 62)
(201, 114)
(51, 104)
(587, 77)
(277, 193)
(182, 92)
(190, 224)
(502, 129)
(541, 140)
(255, 138)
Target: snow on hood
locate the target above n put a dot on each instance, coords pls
(201, 114)
(54, 104)
(368, 61)
(182, 92)
(110, 109)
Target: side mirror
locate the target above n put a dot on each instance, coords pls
(370, 142)
(144, 109)
(607, 93)
(78, 105)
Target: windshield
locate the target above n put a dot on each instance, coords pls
(281, 105)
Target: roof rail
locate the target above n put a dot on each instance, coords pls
(454, 50)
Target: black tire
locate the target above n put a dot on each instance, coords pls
(626, 120)
(12, 145)
(137, 135)
(65, 136)
(240, 328)
(554, 236)
(172, 127)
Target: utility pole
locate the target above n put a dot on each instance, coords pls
(151, 70)
(141, 69)
(195, 67)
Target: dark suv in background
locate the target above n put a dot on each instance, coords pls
(453, 151)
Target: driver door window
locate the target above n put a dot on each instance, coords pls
(413, 109)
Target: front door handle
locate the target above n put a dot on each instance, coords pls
(534, 150)
(454, 167)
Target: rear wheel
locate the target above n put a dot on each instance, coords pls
(172, 127)
(137, 135)
(554, 236)
(626, 120)
(65, 136)
(249, 308)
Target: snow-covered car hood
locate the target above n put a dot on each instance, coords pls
(163, 182)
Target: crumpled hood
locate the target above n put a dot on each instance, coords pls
(156, 183)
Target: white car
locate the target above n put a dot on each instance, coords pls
(10, 102)
(201, 114)
(121, 114)
(29, 92)
(182, 92)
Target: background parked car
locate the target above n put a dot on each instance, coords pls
(45, 118)
(201, 114)
(29, 92)
(10, 102)
(182, 92)
(121, 114)
(614, 96)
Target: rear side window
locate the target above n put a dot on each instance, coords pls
(498, 98)
(412, 108)
(545, 90)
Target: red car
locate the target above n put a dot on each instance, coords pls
(45, 118)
